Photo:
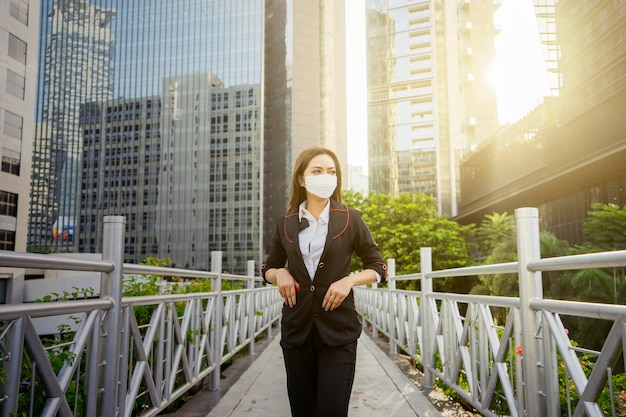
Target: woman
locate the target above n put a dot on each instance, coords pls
(320, 327)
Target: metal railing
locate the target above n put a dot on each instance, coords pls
(125, 355)
(515, 366)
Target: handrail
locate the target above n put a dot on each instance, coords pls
(35, 260)
(597, 260)
(125, 355)
(165, 271)
(513, 367)
(13, 311)
(456, 338)
(504, 268)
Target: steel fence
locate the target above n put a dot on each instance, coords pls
(137, 355)
(526, 366)
(125, 355)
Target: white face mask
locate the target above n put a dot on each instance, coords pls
(322, 185)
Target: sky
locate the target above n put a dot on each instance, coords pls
(519, 57)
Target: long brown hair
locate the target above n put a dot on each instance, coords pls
(298, 193)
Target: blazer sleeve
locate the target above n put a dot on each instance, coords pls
(366, 248)
(277, 256)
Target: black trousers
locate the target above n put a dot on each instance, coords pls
(319, 377)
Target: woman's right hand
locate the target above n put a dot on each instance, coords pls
(287, 286)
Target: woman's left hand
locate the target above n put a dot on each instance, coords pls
(337, 292)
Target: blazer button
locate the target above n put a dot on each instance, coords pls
(321, 265)
(312, 288)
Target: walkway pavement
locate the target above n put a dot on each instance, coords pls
(380, 389)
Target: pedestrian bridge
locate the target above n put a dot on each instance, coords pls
(137, 356)
(380, 389)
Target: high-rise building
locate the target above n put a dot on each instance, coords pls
(209, 184)
(120, 173)
(75, 67)
(103, 62)
(569, 152)
(145, 110)
(19, 29)
(304, 91)
(426, 101)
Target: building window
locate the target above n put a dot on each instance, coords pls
(7, 240)
(13, 124)
(16, 84)
(8, 204)
(17, 49)
(19, 10)
(10, 165)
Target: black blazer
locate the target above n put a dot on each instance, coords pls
(347, 234)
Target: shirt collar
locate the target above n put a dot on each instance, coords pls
(324, 215)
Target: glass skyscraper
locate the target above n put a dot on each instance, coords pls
(426, 103)
(150, 110)
(304, 91)
(18, 63)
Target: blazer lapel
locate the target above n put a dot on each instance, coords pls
(291, 227)
(338, 221)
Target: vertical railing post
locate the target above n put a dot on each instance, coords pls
(530, 287)
(11, 390)
(252, 306)
(218, 347)
(111, 288)
(391, 316)
(428, 329)
(373, 307)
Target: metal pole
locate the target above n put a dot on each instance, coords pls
(10, 391)
(216, 267)
(428, 330)
(530, 287)
(111, 288)
(391, 287)
(252, 306)
(375, 299)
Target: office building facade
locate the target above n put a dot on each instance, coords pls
(569, 152)
(305, 92)
(120, 173)
(426, 101)
(19, 29)
(209, 187)
(76, 54)
(134, 100)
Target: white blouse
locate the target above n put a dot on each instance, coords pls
(312, 238)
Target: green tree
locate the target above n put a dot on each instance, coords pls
(495, 229)
(604, 230)
(404, 224)
(508, 284)
(605, 227)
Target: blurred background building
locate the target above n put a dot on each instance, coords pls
(426, 102)
(569, 151)
(305, 92)
(19, 37)
(186, 116)
(156, 112)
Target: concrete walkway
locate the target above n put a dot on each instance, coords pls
(380, 389)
